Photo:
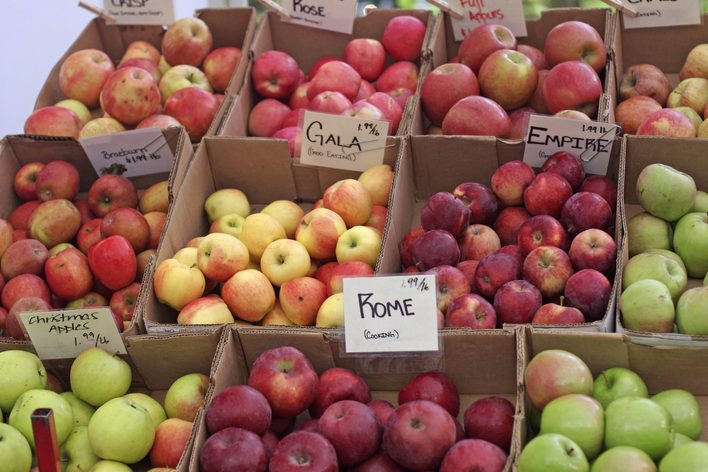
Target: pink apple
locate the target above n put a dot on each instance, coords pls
(83, 74)
(113, 263)
(510, 180)
(575, 41)
(593, 249)
(476, 116)
(554, 314)
(129, 223)
(508, 223)
(295, 117)
(631, 112)
(483, 41)
(483, 204)
(546, 194)
(445, 211)
(589, 291)
(366, 89)
(299, 99)
(129, 95)
(319, 63)
(541, 230)
(567, 166)
(330, 102)
(403, 37)
(433, 386)
(585, 210)
(548, 268)
(26, 256)
(293, 135)
(490, 419)
(171, 437)
(219, 66)
(508, 77)
(478, 241)
(267, 117)
(520, 122)
(352, 429)
(25, 285)
(194, 108)
(445, 86)
(366, 56)
(516, 302)
(68, 274)
(399, 75)
(335, 76)
(494, 271)
(645, 80)
(667, 122)
(275, 74)
(572, 85)
(470, 311)
(53, 121)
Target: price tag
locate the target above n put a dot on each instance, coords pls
(333, 15)
(653, 13)
(141, 12)
(342, 142)
(390, 314)
(129, 153)
(591, 141)
(64, 334)
(509, 13)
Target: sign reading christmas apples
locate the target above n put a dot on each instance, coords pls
(141, 12)
(129, 153)
(509, 13)
(654, 13)
(333, 15)
(342, 142)
(64, 334)
(390, 314)
(591, 141)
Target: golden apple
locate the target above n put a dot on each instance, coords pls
(283, 260)
(230, 224)
(360, 243)
(288, 213)
(219, 256)
(350, 200)
(377, 181)
(205, 310)
(258, 231)
(225, 201)
(331, 312)
(155, 198)
(249, 295)
(319, 230)
(177, 284)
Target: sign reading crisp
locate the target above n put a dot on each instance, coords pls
(333, 15)
(591, 141)
(654, 13)
(509, 13)
(141, 12)
(390, 314)
(64, 334)
(129, 153)
(342, 142)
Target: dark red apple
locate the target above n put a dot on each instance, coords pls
(382, 409)
(434, 248)
(444, 211)
(589, 291)
(483, 204)
(547, 194)
(474, 455)
(508, 223)
(239, 406)
(336, 384)
(585, 210)
(593, 249)
(494, 271)
(516, 302)
(470, 311)
(567, 166)
(433, 386)
(603, 186)
(303, 451)
(514, 251)
(490, 419)
(352, 429)
(548, 268)
(450, 283)
(233, 449)
(379, 462)
(469, 268)
(405, 246)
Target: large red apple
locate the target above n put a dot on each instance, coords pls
(403, 37)
(239, 406)
(194, 108)
(68, 274)
(491, 419)
(83, 74)
(124, 301)
(546, 194)
(589, 291)
(399, 75)
(352, 429)
(494, 271)
(267, 117)
(572, 85)
(552, 313)
(25, 285)
(335, 76)
(219, 66)
(26, 256)
(187, 41)
(480, 199)
(233, 449)
(645, 80)
(53, 121)
(585, 210)
(275, 74)
(129, 223)
(567, 166)
(541, 230)
(474, 454)
(129, 95)
(113, 262)
(58, 179)
(470, 311)
(445, 86)
(366, 56)
(304, 451)
(391, 109)
(575, 41)
(433, 386)
(510, 180)
(338, 384)
(444, 211)
(603, 186)
(593, 249)
(509, 222)
(110, 192)
(25, 180)
(478, 241)
(516, 302)
(435, 247)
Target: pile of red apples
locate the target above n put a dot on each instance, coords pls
(533, 248)
(358, 84)
(250, 425)
(492, 86)
(59, 250)
(281, 265)
(649, 106)
(181, 85)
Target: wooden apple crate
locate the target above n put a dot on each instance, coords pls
(480, 364)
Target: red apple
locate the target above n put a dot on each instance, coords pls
(239, 406)
(233, 449)
(110, 192)
(585, 210)
(494, 271)
(194, 108)
(335, 76)
(382, 409)
(535, 54)
(510, 180)
(365, 111)
(474, 454)
(572, 85)
(295, 117)
(299, 99)
(379, 462)
(129, 223)
(20, 216)
(82, 205)
(476, 116)
(593, 249)
(483, 204)
(478, 241)
(566, 165)
(520, 122)
(392, 111)
(13, 325)
(124, 301)
(516, 302)
(336, 384)
(403, 37)
(366, 56)
(366, 89)
(88, 234)
(575, 41)
(171, 437)
(330, 102)
(352, 429)
(83, 73)
(541, 230)
(554, 314)
(406, 244)
(450, 283)
(546, 194)
(445, 86)
(293, 135)
(25, 180)
(219, 65)
(444, 211)
(399, 75)
(603, 186)
(319, 63)
(469, 268)
(53, 121)
(158, 121)
(470, 311)
(508, 77)
(275, 74)
(304, 451)
(58, 179)
(282, 426)
(645, 80)
(434, 248)
(433, 386)
(129, 95)
(26, 256)
(68, 274)
(537, 101)
(401, 95)
(343, 270)
(25, 285)
(267, 117)
(514, 251)
(630, 113)
(548, 268)
(667, 122)
(490, 419)
(508, 223)
(483, 41)
(113, 262)
(589, 291)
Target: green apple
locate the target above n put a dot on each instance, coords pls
(640, 423)
(700, 203)
(97, 376)
(646, 231)
(665, 192)
(671, 255)
(21, 414)
(19, 371)
(121, 430)
(110, 466)
(185, 396)
(579, 418)
(684, 410)
(624, 459)
(78, 452)
(691, 457)
(647, 306)
(82, 411)
(618, 382)
(15, 452)
(692, 311)
(657, 267)
(157, 413)
(680, 440)
(552, 453)
(691, 243)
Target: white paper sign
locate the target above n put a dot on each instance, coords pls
(137, 152)
(653, 13)
(64, 334)
(390, 314)
(591, 141)
(342, 142)
(141, 12)
(333, 15)
(509, 13)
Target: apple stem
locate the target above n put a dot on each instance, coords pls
(562, 300)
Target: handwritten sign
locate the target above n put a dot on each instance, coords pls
(141, 12)
(655, 13)
(333, 15)
(129, 153)
(342, 142)
(390, 314)
(591, 141)
(64, 334)
(509, 13)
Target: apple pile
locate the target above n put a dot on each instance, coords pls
(493, 84)
(148, 88)
(359, 84)
(611, 421)
(668, 243)
(58, 250)
(279, 266)
(516, 252)
(250, 425)
(650, 107)
(99, 425)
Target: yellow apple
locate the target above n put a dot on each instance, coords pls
(377, 181)
(288, 213)
(360, 243)
(258, 231)
(101, 127)
(230, 224)
(225, 201)
(301, 298)
(283, 260)
(249, 295)
(319, 231)
(331, 312)
(205, 310)
(77, 107)
(220, 255)
(177, 284)
(350, 200)
(155, 198)
(276, 317)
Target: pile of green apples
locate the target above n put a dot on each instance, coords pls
(607, 425)
(668, 246)
(99, 425)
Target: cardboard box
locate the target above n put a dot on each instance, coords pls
(259, 167)
(434, 164)
(465, 357)
(443, 46)
(16, 151)
(668, 367)
(156, 362)
(229, 27)
(686, 155)
(307, 45)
